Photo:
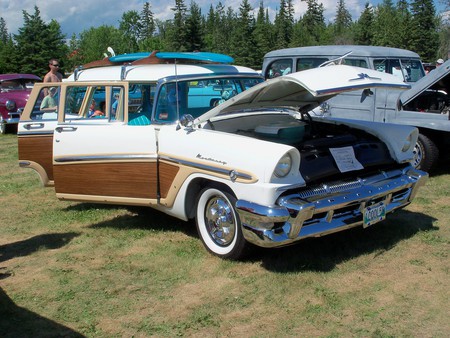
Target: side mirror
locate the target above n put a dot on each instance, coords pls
(185, 121)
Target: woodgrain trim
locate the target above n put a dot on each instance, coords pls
(167, 174)
(119, 179)
(37, 149)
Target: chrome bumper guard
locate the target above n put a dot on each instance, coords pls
(327, 209)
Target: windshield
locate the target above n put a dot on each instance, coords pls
(409, 70)
(196, 97)
(17, 84)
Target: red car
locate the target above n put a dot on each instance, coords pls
(14, 92)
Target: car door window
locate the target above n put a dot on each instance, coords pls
(45, 107)
(94, 102)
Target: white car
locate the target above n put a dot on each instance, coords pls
(250, 167)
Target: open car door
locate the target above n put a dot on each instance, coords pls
(35, 130)
(97, 155)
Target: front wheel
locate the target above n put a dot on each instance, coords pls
(218, 224)
(426, 153)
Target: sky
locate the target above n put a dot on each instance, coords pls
(75, 16)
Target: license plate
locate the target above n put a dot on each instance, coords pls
(373, 214)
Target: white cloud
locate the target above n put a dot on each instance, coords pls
(75, 16)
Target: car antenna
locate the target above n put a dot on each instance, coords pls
(337, 61)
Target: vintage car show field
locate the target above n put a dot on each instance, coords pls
(78, 269)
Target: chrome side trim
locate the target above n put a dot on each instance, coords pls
(124, 157)
(35, 133)
(221, 171)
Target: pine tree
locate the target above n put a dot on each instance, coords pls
(3, 31)
(342, 24)
(177, 30)
(194, 29)
(7, 50)
(424, 36)
(262, 33)
(37, 43)
(385, 26)
(147, 23)
(404, 24)
(363, 31)
(310, 29)
(242, 41)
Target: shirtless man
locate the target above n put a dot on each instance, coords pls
(53, 75)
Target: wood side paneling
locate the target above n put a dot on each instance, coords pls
(37, 149)
(132, 179)
(167, 173)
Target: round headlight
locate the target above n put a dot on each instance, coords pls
(10, 105)
(283, 166)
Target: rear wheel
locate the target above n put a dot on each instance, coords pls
(218, 224)
(426, 153)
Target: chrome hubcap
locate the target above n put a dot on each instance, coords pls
(417, 156)
(220, 222)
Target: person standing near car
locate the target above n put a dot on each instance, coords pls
(53, 75)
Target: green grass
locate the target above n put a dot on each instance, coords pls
(81, 269)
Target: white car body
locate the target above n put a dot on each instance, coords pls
(228, 167)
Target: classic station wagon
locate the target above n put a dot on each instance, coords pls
(252, 167)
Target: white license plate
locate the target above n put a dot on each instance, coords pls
(373, 214)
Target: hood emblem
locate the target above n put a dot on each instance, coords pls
(362, 76)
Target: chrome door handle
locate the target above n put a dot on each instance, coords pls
(33, 126)
(61, 129)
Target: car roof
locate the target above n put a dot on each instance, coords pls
(339, 50)
(154, 72)
(17, 76)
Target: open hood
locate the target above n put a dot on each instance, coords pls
(430, 81)
(305, 90)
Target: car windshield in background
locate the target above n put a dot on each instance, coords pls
(407, 69)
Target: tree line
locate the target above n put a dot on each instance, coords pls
(244, 34)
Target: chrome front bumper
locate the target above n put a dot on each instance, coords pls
(326, 209)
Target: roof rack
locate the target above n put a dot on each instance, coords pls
(157, 57)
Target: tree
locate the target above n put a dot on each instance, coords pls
(130, 26)
(342, 24)
(310, 29)
(243, 38)
(194, 28)
(363, 31)
(7, 50)
(404, 24)
(74, 58)
(177, 29)
(94, 42)
(37, 43)
(147, 40)
(263, 33)
(385, 25)
(424, 36)
(147, 23)
(3, 31)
